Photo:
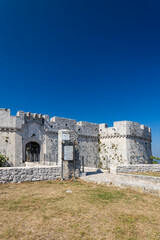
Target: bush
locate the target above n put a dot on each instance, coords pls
(2, 160)
(154, 160)
(100, 164)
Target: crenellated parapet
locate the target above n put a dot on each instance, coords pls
(125, 129)
(99, 145)
(9, 122)
(125, 143)
(87, 129)
(63, 123)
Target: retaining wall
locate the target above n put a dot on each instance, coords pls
(28, 174)
(138, 168)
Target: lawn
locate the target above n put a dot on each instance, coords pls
(44, 210)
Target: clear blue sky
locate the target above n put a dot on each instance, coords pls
(95, 61)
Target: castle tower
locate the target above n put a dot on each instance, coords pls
(123, 144)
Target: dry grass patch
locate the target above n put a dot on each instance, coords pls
(43, 210)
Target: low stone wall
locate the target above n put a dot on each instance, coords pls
(138, 168)
(29, 174)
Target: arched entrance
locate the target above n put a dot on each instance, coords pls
(32, 152)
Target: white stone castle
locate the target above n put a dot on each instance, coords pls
(33, 139)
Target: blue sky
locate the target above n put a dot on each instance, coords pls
(95, 61)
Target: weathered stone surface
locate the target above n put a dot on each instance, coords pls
(98, 146)
(123, 144)
(25, 174)
(138, 168)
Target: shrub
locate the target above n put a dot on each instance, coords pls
(154, 159)
(2, 160)
(100, 164)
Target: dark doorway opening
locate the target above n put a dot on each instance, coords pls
(32, 152)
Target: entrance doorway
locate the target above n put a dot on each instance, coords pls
(32, 152)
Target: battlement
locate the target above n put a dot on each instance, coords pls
(64, 120)
(125, 129)
(28, 115)
(63, 123)
(87, 128)
(7, 121)
(131, 124)
(5, 111)
(124, 143)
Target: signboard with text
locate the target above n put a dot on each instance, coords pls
(65, 136)
(68, 153)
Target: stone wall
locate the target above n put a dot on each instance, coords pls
(28, 174)
(99, 146)
(88, 151)
(138, 168)
(124, 143)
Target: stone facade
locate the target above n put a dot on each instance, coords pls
(126, 143)
(35, 139)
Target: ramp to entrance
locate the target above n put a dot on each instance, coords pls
(136, 182)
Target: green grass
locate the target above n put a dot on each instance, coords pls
(102, 195)
(44, 210)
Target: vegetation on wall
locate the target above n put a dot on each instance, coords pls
(100, 164)
(2, 160)
(154, 160)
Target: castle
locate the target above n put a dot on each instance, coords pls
(34, 139)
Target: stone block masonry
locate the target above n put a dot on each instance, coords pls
(28, 174)
(126, 143)
(34, 138)
(138, 168)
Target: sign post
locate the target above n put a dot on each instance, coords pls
(67, 153)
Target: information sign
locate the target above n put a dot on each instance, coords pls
(68, 153)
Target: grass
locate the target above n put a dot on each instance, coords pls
(43, 210)
(155, 174)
